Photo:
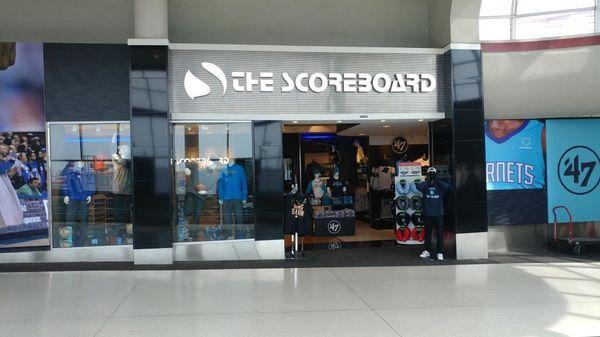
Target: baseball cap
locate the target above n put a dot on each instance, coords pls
(431, 169)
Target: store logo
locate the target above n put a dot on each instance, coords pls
(578, 170)
(334, 227)
(245, 81)
(400, 145)
(195, 87)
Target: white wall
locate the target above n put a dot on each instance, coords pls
(545, 83)
(464, 21)
(100, 21)
(382, 23)
(438, 16)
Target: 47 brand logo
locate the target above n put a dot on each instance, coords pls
(578, 170)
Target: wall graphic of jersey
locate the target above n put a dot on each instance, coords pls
(516, 161)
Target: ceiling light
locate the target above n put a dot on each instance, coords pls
(420, 119)
(295, 122)
(339, 121)
(386, 126)
(383, 121)
(361, 134)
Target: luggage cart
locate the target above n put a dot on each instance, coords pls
(572, 243)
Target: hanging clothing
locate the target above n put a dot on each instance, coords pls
(382, 177)
(298, 215)
(361, 199)
(360, 155)
(310, 171)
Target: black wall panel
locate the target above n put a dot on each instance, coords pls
(150, 135)
(86, 82)
(268, 175)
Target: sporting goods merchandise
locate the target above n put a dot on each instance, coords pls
(440, 257)
(424, 255)
(406, 234)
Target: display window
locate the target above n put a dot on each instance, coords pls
(213, 181)
(91, 184)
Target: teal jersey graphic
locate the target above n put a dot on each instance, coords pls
(516, 161)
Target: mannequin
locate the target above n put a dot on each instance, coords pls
(233, 192)
(336, 188)
(315, 187)
(122, 188)
(360, 152)
(79, 187)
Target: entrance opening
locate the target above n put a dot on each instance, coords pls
(349, 185)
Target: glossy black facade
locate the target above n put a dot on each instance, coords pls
(469, 143)
(268, 171)
(151, 150)
(464, 142)
(86, 82)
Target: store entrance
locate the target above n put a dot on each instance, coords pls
(342, 183)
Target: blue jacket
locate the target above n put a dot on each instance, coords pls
(233, 184)
(433, 191)
(79, 185)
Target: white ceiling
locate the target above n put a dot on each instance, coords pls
(408, 128)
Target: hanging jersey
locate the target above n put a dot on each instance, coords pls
(516, 161)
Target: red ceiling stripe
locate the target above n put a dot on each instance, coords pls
(496, 47)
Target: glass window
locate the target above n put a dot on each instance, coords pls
(213, 181)
(91, 184)
(564, 24)
(495, 7)
(494, 29)
(533, 19)
(537, 6)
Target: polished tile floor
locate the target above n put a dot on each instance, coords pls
(531, 299)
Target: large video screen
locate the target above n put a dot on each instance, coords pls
(515, 152)
(23, 169)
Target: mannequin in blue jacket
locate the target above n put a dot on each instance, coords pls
(78, 188)
(233, 192)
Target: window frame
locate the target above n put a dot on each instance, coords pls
(513, 16)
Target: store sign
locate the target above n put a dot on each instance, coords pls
(230, 84)
(400, 145)
(247, 81)
(203, 160)
(573, 148)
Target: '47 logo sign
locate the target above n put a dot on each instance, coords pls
(400, 145)
(578, 170)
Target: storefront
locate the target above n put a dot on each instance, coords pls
(186, 159)
(229, 107)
